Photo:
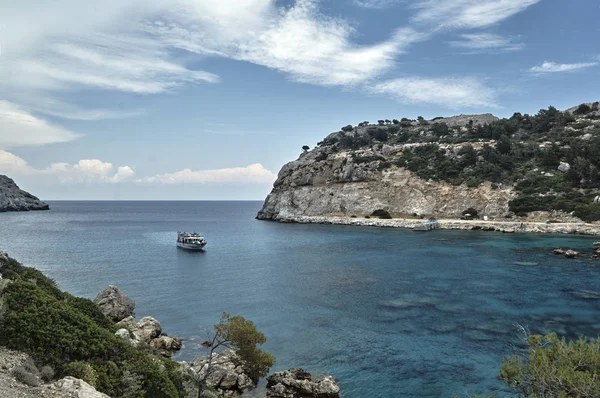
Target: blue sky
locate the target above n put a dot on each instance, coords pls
(207, 99)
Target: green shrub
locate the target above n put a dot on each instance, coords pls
(70, 335)
(47, 373)
(554, 367)
(82, 370)
(582, 109)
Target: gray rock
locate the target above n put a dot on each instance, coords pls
(571, 254)
(559, 252)
(148, 328)
(12, 198)
(77, 388)
(166, 345)
(126, 335)
(228, 376)
(564, 167)
(297, 383)
(114, 304)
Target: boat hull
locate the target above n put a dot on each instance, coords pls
(191, 246)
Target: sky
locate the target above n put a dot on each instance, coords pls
(208, 99)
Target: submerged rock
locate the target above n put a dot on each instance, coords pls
(297, 383)
(12, 198)
(114, 304)
(571, 254)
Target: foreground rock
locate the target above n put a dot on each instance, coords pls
(12, 198)
(297, 383)
(121, 309)
(228, 377)
(68, 387)
(114, 304)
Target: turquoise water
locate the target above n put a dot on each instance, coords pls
(391, 313)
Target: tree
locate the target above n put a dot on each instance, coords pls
(388, 121)
(381, 122)
(503, 145)
(554, 367)
(240, 335)
(396, 121)
(305, 148)
(347, 128)
(582, 109)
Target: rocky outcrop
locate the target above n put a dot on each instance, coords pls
(12, 198)
(228, 376)
(114, 304)
(68, 387)
(297, 383)
(324, 182)
(77, 388)
(121, 309)
(148, 331)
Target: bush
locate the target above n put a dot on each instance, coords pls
(382, 214)
(554, 367)
(70, 335)
(82, 370)
(47, 373)
(26, 376)
(582, 109)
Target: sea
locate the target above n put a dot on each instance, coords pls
(388, 312)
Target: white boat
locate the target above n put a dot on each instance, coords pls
(190, 241)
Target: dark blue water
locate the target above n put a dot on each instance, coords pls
(391, 313)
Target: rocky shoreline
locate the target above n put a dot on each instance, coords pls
(12, 198)
(506, 226)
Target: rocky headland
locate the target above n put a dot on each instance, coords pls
(56, 345)
(511, 171)
(12, 198)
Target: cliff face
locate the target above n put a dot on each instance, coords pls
(14, 199)
(338, 185)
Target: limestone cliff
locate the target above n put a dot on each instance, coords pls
(321, 182)
(14, 199)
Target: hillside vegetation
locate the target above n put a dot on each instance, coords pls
(551, 158)
(71, 336)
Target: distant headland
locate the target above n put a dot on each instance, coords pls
(12, 198)
(542, 168)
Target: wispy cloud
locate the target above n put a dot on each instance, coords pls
(447, 92)
(86, 170)
(468, 14)
(255, 173)
(20, 128)
(480, 42)
(553, 67)
(377, 4)
(112, 63)
(300, 41)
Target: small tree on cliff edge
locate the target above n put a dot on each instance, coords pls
(240, 335)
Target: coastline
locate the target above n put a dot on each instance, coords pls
(506, 226)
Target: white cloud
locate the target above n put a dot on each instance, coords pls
(255, 173)
(487, 41)
(447, 92)
(109, 62)
(19, 128)
(300, 41)
(123, 173)
(86, 170)
(552, 67)
(376, 4)
(468, 14)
